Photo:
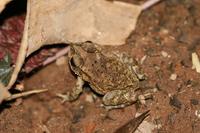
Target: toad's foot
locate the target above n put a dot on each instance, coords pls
(74, 94)
(65, 97)
(143, 97)
(122, 98)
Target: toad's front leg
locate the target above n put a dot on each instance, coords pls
(74, 94)
(122, 98)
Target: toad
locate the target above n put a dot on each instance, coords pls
(112, 75)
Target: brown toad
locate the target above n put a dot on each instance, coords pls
(107, 74)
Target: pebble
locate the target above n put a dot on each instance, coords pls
(89, 98)
(165, 54)
(143, 59)
(60, 61)
(197, 113)
(174, 101)
(194, 101)
(173, 76)
(195, 62)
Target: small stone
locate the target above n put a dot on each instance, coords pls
(195, 62)
(194, 101)
(20, 87)
(173, 76)
(197, 113)
(60, 61)
(164, 54)
(174, 101)
(89, 98)
(165, 31)
(155, 90)
(143, 59)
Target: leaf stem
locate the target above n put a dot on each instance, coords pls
(149, 3)
(23, 94)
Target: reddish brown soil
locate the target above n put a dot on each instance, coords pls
(173, 27)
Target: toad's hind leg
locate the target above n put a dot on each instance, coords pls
(122, 98)
(119, 98)
(74, 94)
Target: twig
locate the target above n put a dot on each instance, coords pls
(149, 3)
(58, 54)
(23, 94)
(4, 93)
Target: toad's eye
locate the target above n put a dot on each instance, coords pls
(76, 61)
(89, 47)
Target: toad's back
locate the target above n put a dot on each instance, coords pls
(106, 73)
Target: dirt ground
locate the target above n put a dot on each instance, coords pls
(166, 36)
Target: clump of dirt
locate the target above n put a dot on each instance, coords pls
(165, 37)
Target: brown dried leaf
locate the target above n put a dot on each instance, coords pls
(100, 21)
(3, 4)
(3, 92)
(133, 124)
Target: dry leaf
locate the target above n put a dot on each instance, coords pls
(132, 125)
(99, 21)
(146, 127)
(3, 4)
(3, 93)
